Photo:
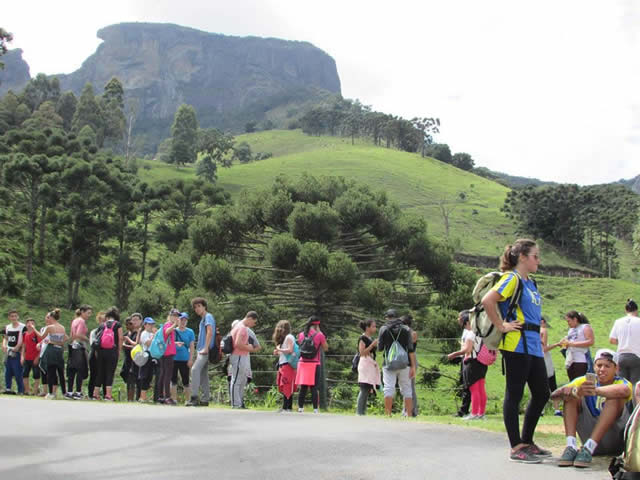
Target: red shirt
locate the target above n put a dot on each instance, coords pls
(30, 342)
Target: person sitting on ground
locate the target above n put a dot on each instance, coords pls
(395, 330)
(596, 410)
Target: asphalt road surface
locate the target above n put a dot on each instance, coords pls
(41, 439)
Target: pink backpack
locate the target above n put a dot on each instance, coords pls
(486, 356)
(107, 340)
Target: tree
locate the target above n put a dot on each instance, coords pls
(334, 237)
(150, 204)
(177, 270)
(89, 112)
(250, 127)
(5, 37)
(184, 135)
(45, 117)
(426, 127)
(66, 108)
(439, 151)
(463, 161)
(242, 152)
(214, 146)
(113, 111)
(40, 90)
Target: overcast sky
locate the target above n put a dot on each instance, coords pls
(547, 89)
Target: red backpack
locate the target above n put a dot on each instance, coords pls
(107, 340)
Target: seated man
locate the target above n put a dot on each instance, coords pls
(596, 410)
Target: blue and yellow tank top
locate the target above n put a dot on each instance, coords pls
(529, 310)
(595, 402)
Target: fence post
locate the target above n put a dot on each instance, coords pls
(323, 381)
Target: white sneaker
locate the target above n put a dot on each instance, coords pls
(478, 417)
(469, 417)
(300, 410)
(315, 410)
(50, 396)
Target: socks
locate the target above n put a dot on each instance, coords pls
(572, 442)
(591, 446)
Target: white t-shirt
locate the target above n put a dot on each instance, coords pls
(14, 336)
(288, 343)
(627, 331)
(469, 335)
(144, 338)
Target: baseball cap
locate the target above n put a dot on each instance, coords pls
(605, 353)
(174, 311)
(391, 313)
(149, 320)
(184, 315)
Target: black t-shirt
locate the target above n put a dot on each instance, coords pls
(395, 329)
(367, 341)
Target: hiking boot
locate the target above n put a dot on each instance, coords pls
(524, 456)
(203, 404)
(568, 457)
(583, 458)
(539, 451)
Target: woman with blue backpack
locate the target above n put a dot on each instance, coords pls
(108, 345)
(287, 351)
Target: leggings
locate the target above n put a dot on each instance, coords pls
(53, 372)
(106, 362)
(315, 394)
(363, 397)
(287, 403)
(478, 397)
(521, 369)
(166, 371)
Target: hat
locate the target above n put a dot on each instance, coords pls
(606, 354)
(184, 315)
(149, 320)
(391, 313)
(174, 311)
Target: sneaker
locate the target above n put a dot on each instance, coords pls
(524, 456)
(469, 417)
(203, 404)
(193, 402)
(108, 399)
(568, 457)
(170, 401)
(558, 413)
(78, 396)
(300, 410)
(50, 396)
(583, 458)
(68, 396)
(9, 392)
(315, 410)
(478, 417)
(539, 451)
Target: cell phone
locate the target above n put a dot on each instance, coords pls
(592, 377)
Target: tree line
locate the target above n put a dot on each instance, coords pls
(583, 222)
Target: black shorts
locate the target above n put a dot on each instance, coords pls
(184, 373)
(27, 367)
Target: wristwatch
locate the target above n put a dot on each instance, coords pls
(574, 392)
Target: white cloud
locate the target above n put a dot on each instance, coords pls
(545, 89)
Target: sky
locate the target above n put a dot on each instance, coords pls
(547, 89)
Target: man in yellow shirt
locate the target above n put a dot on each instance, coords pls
(596, 409)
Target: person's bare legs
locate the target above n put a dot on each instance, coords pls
(408, 405)
(570, 412)
(610, 413)
(388, 405)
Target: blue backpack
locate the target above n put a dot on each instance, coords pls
(293, 357)
(158, 345)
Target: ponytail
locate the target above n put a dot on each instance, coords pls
(364, 324)
(631, 306)
(511, 254)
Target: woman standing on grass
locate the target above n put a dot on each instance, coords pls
(109, 340)
(368, 368)
(287, 362)
(473, 372)
(520, 346)
(577, 342)
(626, 335)
(53, 360)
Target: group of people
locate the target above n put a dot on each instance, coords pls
(595, 402)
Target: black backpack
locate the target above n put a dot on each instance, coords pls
(215, 352)
(308, 348)
(227, 343)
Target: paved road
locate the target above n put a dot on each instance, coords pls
(42, 439)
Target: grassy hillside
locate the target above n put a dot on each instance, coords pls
(423, 186)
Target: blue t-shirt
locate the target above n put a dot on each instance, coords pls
(202, 331)
(529, 310)
(187, 336)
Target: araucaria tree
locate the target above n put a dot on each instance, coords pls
(326, 246)
(184, 136)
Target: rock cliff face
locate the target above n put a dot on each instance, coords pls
(229, 80)
(15, 74)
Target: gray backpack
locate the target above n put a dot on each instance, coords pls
(396, 358)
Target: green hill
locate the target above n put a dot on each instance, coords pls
(422, 186)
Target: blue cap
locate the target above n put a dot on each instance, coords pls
(184, 315)
(149, 320)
